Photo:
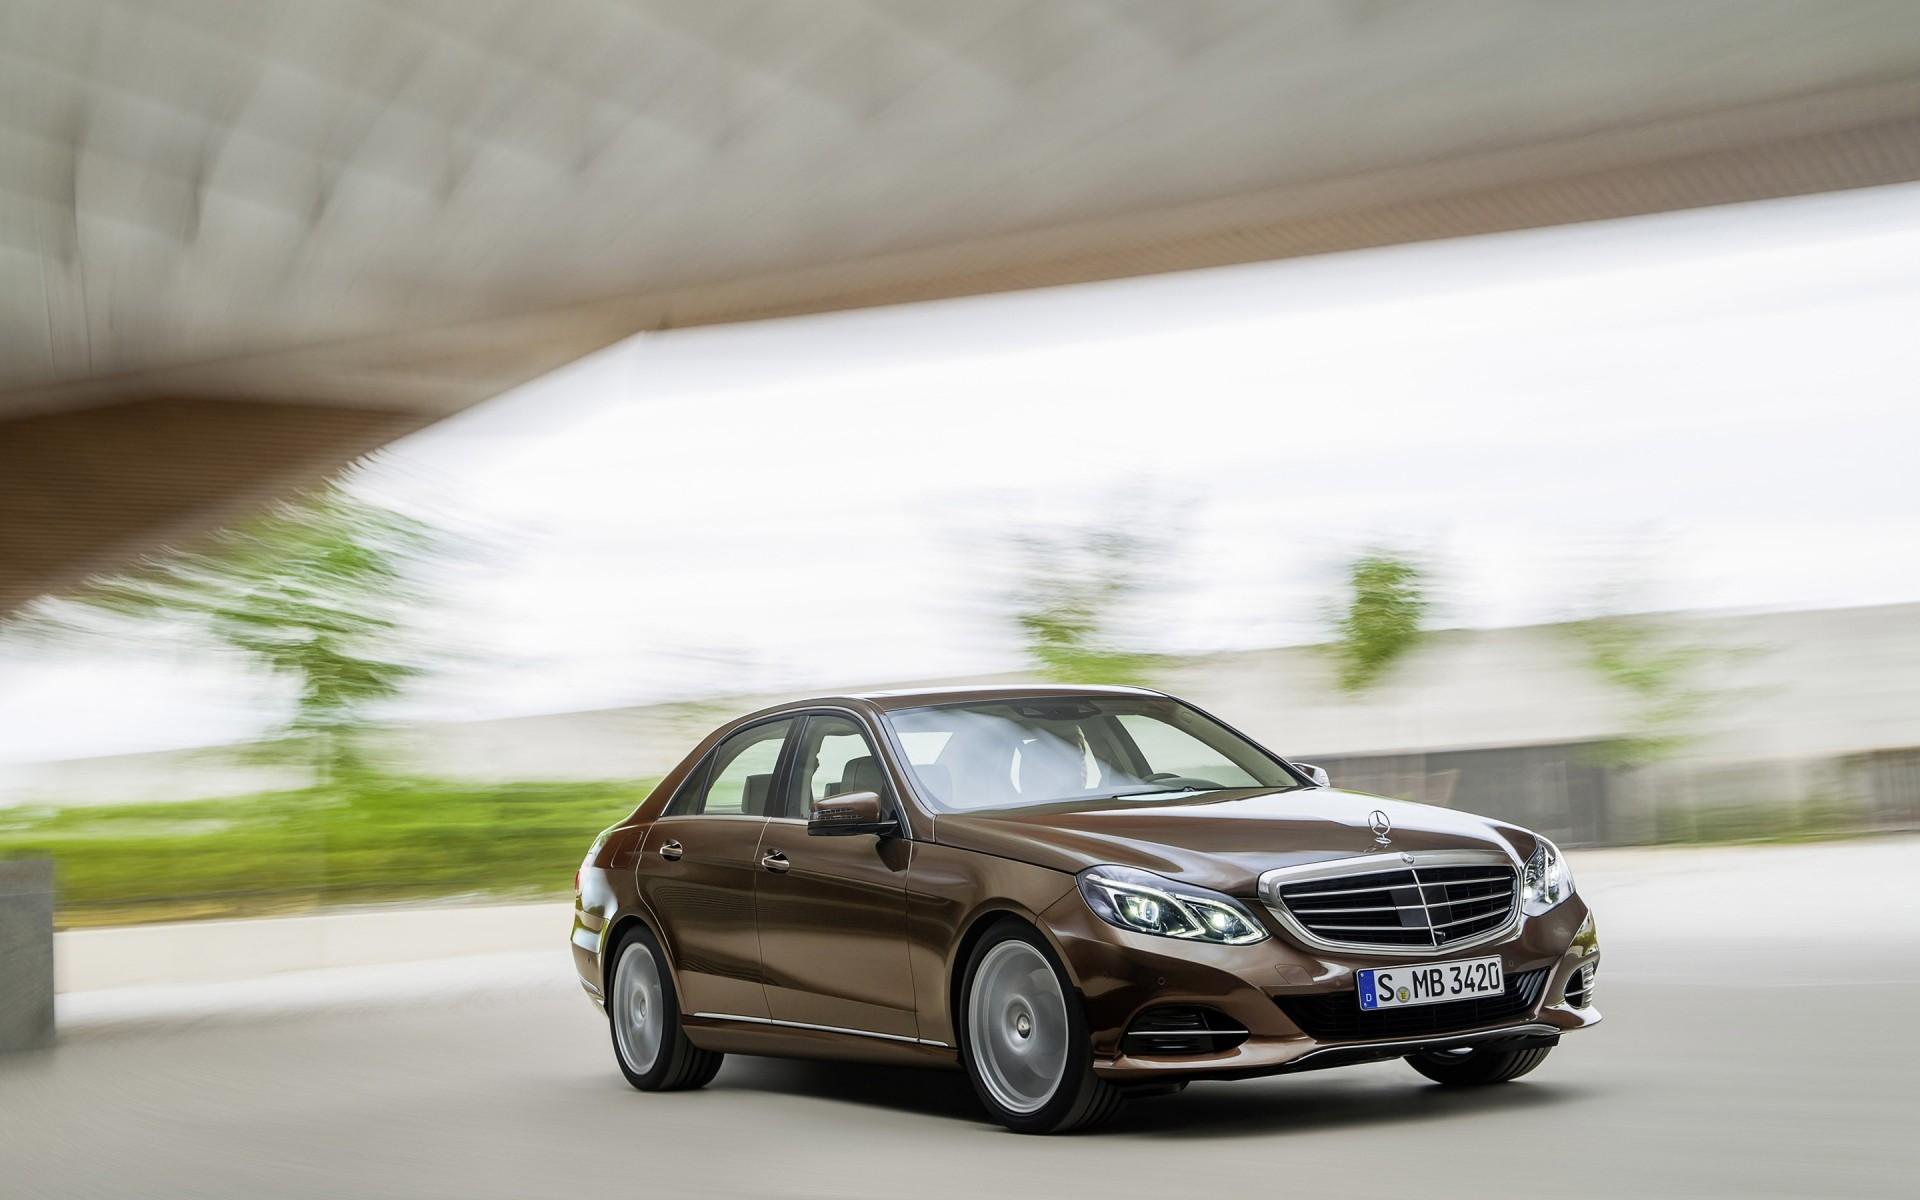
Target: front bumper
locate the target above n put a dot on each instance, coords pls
(1122, 974)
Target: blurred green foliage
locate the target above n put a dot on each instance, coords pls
(1657, 673)
(367, 839)
(318, 589)
(1081, 585)
(1378, 620)
(1067, 604)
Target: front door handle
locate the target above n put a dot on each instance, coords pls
(773, 860)
(671, 851)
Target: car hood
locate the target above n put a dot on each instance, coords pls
(1221, 840)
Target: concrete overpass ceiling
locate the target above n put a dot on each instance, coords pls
(400, 208)
(192, 182)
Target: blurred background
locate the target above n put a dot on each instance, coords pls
(421, 423)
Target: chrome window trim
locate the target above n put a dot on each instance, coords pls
(1379, 864)
(865, 1033)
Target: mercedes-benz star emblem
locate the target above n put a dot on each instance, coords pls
(1381, 827)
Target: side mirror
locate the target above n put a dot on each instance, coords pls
(1317, 774)
(850, 814)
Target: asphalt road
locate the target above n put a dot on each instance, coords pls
(1756, 1044)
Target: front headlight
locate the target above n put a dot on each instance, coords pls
(1143, 902)
(1546, 881)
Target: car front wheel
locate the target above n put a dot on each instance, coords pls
(644, 1014)
(1023, 1037)
(1471, 1066)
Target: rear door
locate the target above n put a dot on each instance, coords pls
(701, 864)
(833, 910)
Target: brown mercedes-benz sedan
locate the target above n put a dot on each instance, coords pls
(1074, 894)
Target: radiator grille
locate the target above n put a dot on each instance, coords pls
(1338, 1017)
(1419, 907)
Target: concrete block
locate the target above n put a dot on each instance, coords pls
(26, 954)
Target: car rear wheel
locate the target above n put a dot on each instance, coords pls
(1023, 1037)
(1472, 1066)
(644, 1016)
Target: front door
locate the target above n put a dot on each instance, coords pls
(833, 910)
(699, 868)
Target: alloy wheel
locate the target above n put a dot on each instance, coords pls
(638, 1006)
(1017, 1019)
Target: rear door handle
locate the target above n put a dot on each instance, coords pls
(773, 860)
(672, 850)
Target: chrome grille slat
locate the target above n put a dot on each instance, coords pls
(1479, 916)
(1475, 879)
(1370, 928)
(1444, 900)
(1356, 891)
(1369, 908)
(1461, 921)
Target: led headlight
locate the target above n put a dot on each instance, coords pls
(1143, 902)
(1546, 881)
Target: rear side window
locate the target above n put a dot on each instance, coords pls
(737, 778)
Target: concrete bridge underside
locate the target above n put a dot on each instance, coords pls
(242, 244)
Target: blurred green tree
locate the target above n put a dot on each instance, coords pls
(1378, 620)
(316, 589)
(1659, 675)
(1077, 585)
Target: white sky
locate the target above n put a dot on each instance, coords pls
(1721, 404)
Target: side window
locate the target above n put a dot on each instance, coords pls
(1170, 751)
(737, 778)
(834, 757)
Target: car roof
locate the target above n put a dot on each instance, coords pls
(890, 700)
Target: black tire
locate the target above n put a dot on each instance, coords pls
(1080, 1100)
(1476, 1066)
(678, 1064)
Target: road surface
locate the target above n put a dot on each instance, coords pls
(1756, 1044)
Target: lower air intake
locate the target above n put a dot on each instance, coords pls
(1174, 1030)
(1580, 987)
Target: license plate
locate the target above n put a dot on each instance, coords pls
(1429, 983)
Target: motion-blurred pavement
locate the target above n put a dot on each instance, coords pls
(1741, 1056)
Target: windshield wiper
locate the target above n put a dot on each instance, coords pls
(1159, 791)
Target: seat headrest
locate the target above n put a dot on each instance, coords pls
(1050, 769)
(863, 774)
(753, 800)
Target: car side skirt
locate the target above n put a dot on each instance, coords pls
(729, 1034)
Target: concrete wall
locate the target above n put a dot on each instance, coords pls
(1810, 710)
(1808, 717)
(1782, 686)
(210, 951)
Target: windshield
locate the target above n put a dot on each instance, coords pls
(1015, 753)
